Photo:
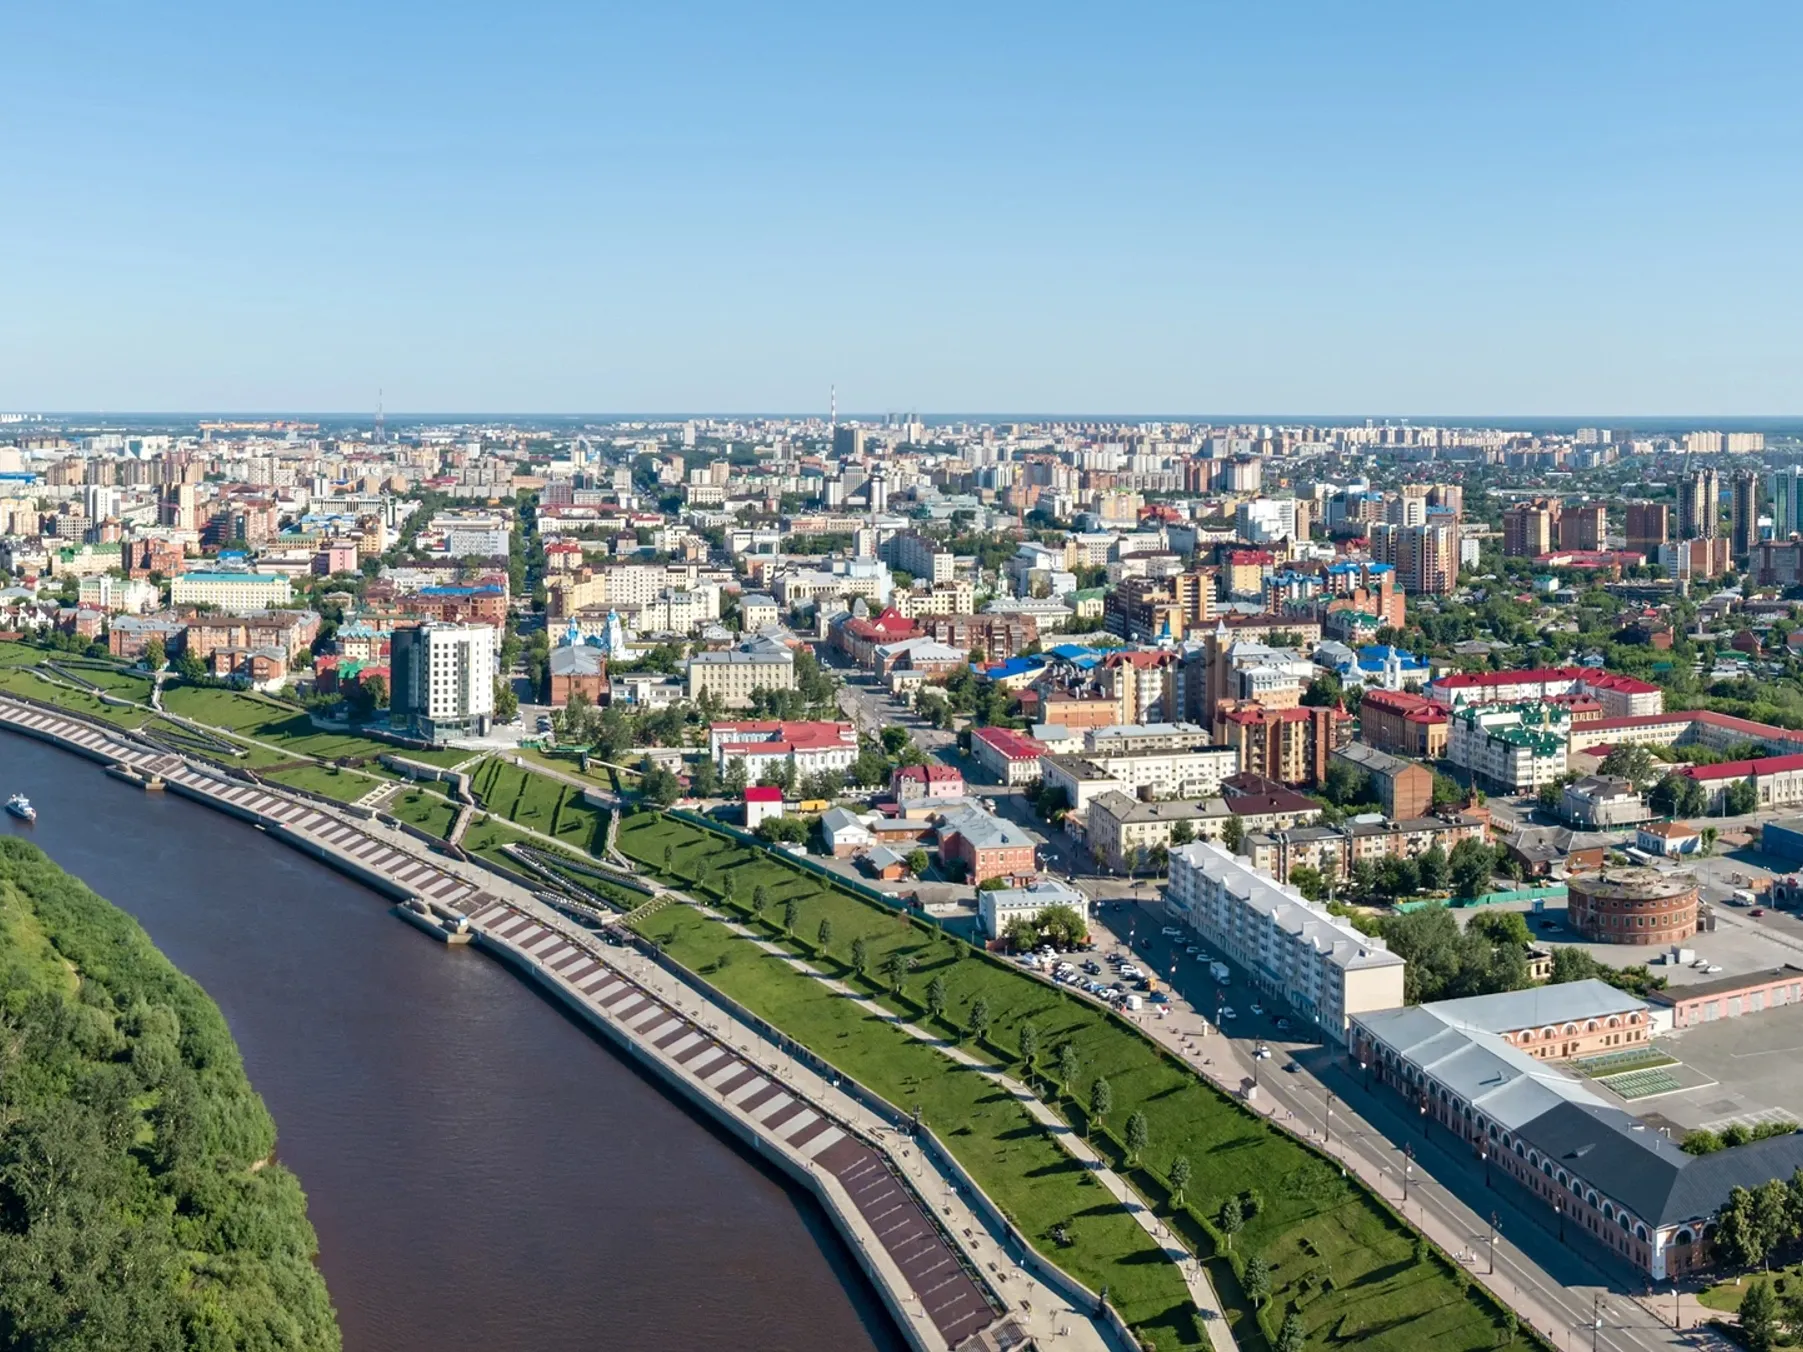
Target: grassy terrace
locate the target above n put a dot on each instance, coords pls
(538, 803)
(347, 786)
(425, 807)
(266, 720)
(17, 679)
(1339, 1256)
(567, 762)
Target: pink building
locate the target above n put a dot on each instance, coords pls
(762, 802)
(925, 783)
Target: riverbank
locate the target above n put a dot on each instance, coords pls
(380, 858)
(145, 1207)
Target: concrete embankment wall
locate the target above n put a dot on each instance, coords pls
(818, 1182)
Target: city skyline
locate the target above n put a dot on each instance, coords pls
(711, 208)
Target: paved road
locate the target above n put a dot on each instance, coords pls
(1554, 1282)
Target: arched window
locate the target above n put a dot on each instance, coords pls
(1534, 1158)
(1562, 1179)
(1608, 1212)
(1622, 1219)
(1570, 1028)
(1685, 1237)
(1518, 1149)
(1546, 1167)
(1591, 1198)
(1640, 1232)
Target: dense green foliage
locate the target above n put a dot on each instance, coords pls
(136, 1211)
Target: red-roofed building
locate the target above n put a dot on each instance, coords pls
(859, 639)
(1620, 696)
(1291, 746)
(1010, 756)
(924, 783)
(762, 802)
(1403, 724)
(807, 747)
(1778, 780)
(1684, 727)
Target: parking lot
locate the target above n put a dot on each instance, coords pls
(1748, 1066)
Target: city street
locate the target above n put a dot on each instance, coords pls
(1554, 1281)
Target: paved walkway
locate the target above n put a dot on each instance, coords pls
(1194, 1276)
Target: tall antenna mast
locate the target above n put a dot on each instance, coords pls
(381, 432)
(832, 400)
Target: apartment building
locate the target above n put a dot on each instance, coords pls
(731, 676)
(1514, 748)
(233, 591)
(1320, 965)
(806, 748)
(443, 680)
(1290, 745)
(1404, 788)
(1403, 724)
(1195, 772)
(1122, 831)
(928, 560)
(1426, 558)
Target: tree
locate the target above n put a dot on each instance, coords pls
(1741, 798)
(1256, 1279)
(1503, 927)
(736, 781)
(1069, 1064)
(918, 862)
(1759, 1317)
(190, 667)
(1472, 863)
(705, 781)
(507, 704)
(894, 739)
(1633, 763)
(1738, 1235)
(791, 912)
(1180, 1174)
(894, 968)
(657, 785)
(823, 936)
(1790, 1315)
(1231, 1220)
(1292, 1337)
(1183, 833)
(1029, 1046)
(1306, 879)
(1436, 873)
(1678, 795)
(979, 1018)
(784, 830)
(936, 997)
(1233, 834)
(1101, 1101)
(155, 654)
(760, 898)
(1062, 925)
(1021, 933)
(669, 857)
(1139, 1136)
(860, 955)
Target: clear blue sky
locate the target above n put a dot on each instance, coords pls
(1302, 207)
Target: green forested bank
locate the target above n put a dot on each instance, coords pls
(139, 1208)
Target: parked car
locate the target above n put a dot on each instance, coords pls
(1227, 1013)
(1257, 1010)
(1757, 910)
(1283, 1025)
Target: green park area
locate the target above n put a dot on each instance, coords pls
(329, 781)
(538, 803)
(271, 721)
(1262, 1210)
(46, 688)
(424, 804)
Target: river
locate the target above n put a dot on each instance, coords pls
(482, 1173)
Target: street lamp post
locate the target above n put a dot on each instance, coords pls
(1365, 1067)
(1327, 1121)
(1559, 1211)
(1408, 1170)
(1483, 1153)
(1596, 1321)
(1494, 1219)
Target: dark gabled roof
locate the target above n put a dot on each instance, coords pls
(1642, 1170)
